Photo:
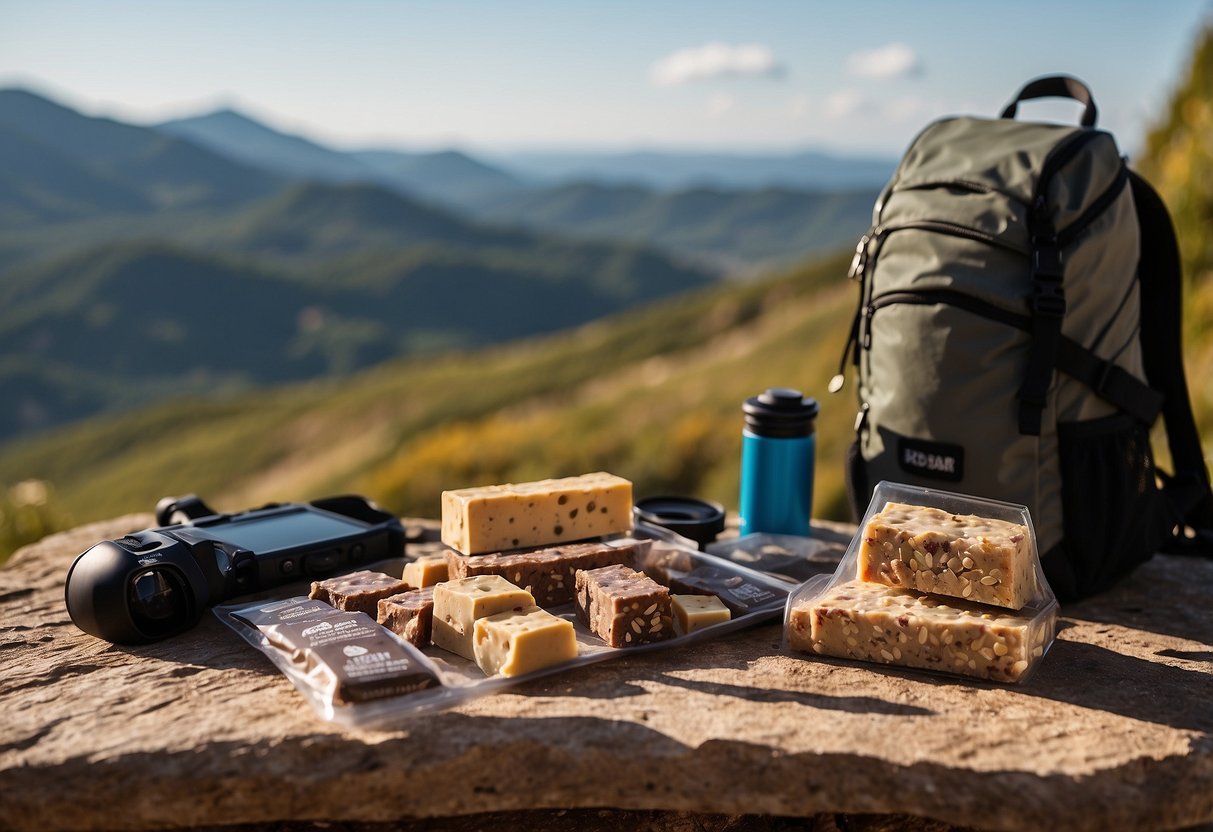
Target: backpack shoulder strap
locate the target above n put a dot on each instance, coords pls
(1187, 491)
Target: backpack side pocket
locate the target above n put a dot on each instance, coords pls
(1113, 518)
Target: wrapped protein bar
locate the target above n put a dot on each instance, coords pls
(340, 657)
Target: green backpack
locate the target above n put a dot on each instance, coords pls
(1018, 332)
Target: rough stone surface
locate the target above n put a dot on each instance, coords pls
(1115, 730)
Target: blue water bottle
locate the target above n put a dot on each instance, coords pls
(777, 451)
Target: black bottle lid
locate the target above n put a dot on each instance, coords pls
(699, 520)
(780, 413)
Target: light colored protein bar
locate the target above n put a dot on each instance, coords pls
(873, 622)
(458, 603)
(514, 643)
(499, 517)
(693, 612)
(961, 555)
(426, 570)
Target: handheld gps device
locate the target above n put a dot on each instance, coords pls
(156, 583)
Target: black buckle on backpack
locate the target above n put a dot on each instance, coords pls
(1047, 260)
(1048, 297)
(1048, 307)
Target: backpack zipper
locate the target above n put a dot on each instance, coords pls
(964, 185)
(948, 297)
(859, 264)
(867, 250)
(870, 244)
(951, 229)
(1040, 225)
(918, 297)
(1095, 209)
(1061, 155)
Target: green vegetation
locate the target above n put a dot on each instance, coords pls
(29, 510)
(136, 266)
(751, 227)
(652, 395)
(299, 285)
(1179, 161)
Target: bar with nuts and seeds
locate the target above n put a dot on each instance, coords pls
(357, 591)
(409, 615)
(547, 573)
(964, 556)
(874, 622)
(623, 607)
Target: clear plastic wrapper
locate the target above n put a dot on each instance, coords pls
(873, 607)
(792, 556)
(669, 559)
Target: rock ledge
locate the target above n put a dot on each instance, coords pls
(1115, 730)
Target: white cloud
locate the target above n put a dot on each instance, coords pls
(715, 60)
(895, 60)
(798, 106)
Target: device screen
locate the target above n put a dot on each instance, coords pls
(284, 531)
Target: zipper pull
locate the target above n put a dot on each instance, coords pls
(866, 328)
(859, 264)
(860, 260)
(840, 378)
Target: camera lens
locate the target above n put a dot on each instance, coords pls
(158, 602)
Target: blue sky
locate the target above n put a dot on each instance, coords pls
(857, 77)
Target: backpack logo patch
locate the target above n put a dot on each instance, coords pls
(935, 460)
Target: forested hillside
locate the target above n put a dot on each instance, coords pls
(1179, 161)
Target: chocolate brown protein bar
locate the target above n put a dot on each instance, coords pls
(409, 615)
(357, 591)
(623, 607)
(547, 573)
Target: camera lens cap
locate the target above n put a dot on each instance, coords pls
(699, 520)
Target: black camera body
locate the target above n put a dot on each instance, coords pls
(156, 583)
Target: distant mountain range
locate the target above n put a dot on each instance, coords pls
(134, 264)
(730, 211)
(667, 170)
(435, 174)
(216, 253)
(733, 229)
(61, 165)
(448, 177)
(653, 394)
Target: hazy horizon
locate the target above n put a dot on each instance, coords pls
(772, 77)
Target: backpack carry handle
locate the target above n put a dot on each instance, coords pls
(1056, 86)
